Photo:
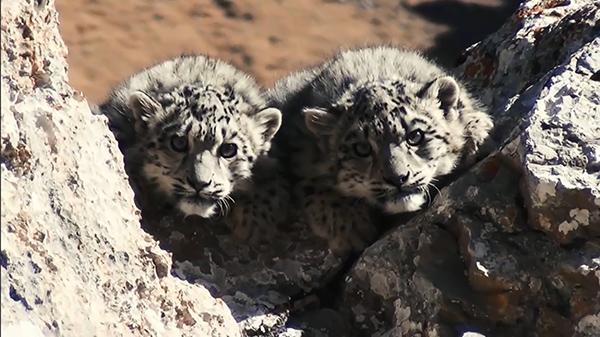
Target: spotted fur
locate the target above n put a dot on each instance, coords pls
(379, 125)
(192, 129)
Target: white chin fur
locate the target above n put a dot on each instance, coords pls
(409, 203)
(203, 209)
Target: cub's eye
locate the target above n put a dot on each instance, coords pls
(179, 143)
(415, 137)
(227, 150)
(362, 149)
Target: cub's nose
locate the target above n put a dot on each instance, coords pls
(397, 180)
(198, 185)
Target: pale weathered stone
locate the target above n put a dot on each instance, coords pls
(560, 145)
(74, 260)
(540, 35)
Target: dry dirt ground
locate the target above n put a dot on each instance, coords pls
(110, 39)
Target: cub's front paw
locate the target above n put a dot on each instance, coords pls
(250, 224)
(477, 132)
(343, 222)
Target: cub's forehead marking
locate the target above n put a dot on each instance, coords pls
(377, 102)
(207, 106)
(388, 119)
(201, 100)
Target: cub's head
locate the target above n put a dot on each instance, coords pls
(198, 143)
(391, 140)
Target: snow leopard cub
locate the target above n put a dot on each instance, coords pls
(373, 127)
(192, 129)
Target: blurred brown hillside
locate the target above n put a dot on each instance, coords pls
(110, 39)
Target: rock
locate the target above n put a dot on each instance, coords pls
(561, 146)
(323, 322)
(450, 267)
(541, 35)
(511, 247)
(472, 262)
(74, 258)
(588, 326)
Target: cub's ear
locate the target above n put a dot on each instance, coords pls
(145, 108)
(445, 89)
(269, 122)
(319, 122)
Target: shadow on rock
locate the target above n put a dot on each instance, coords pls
(468, 22)
(262, 283)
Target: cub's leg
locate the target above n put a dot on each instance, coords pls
(257, 214)
(345, 223)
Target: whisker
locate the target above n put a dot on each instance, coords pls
(220, 207)
(435, 187)
(429, 198)
(318, 121)
(226, 206)
(429, 192)
(230, 202)
(228, 197)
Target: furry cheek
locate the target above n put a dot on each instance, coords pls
(156, 174)
(352, 183)
(409, 203)
(445, 164)
(202, 209)
(239, 170)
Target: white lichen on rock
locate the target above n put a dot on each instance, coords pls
(561, 169)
